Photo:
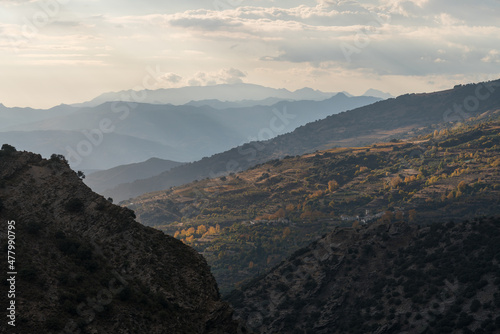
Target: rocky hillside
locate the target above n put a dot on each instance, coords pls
(384, 278)
(85, 266)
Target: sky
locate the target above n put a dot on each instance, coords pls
(69, 51)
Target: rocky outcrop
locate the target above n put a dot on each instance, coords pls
(85, 266)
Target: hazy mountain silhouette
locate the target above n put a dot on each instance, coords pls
(106, 179)
(222, 92)
(406, 115)
(179, 133)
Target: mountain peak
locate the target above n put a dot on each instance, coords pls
(377, 93)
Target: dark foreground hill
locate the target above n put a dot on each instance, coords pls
(402, 117)
(85, 266)
(384, 278)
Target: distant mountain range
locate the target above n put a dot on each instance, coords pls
(377, 93)
(406, 115)
(224, 92)
(107, 179)
(137, 132)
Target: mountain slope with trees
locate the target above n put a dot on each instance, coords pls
(383, 278)
(403, 117)
(247, 222)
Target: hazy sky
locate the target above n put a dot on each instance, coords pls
(66, 51)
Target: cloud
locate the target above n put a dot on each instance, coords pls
(172, 78)
(224, 76)
(399, 37)
(493, 56)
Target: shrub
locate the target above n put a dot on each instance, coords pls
(33, 228)
(58, 158)
(74, 205)
(8, 149)
(28, 273)
(475, 305)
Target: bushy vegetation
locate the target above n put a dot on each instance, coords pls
(273, 209)
(443, 278)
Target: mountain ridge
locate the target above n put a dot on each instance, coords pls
(187, 133)
(105, 179)
(222, 92)
(404, 116)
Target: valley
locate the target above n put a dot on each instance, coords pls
(245, 223)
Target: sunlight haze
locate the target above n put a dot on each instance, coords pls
(69, 51)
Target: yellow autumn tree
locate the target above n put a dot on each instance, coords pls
(332, 185)
(190, 231)
(202, 229)
(396, 181)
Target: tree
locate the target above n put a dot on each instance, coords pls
(58, 158)
(462, 186)
(396, 181)
(332, 185)
(412, 214)
(190, 231)
(387, 217)
(8, 149)
(202, 229)
(399, 215)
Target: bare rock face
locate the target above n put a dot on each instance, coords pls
(85, 266)
(383, 278)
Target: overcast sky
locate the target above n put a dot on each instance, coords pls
(67, 51)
